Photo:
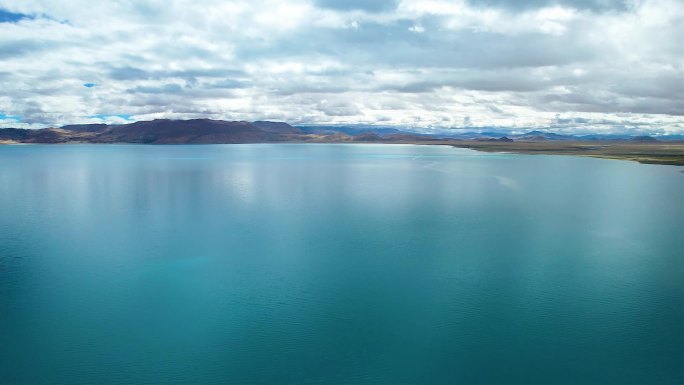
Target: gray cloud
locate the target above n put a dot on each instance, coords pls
(365, 5)
(665, 85)
(135, 73)
(32, 112)
(607, 102)
(21, 48)
(228, 84)
(418, 63)
(164, 89)
(522, 5)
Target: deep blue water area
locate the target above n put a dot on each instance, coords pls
(337, 264)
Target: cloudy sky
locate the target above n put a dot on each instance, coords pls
(571, 66)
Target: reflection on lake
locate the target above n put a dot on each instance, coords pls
(337, 264)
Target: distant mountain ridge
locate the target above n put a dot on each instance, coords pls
(192, 131)
(159, 131)
(207, 131)
(530, 136)
(163, 131)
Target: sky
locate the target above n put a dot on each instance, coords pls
(601, 66)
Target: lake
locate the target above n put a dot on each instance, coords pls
(337, 264)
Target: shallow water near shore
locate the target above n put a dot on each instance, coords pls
(336, 264)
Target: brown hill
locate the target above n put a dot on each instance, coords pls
(47, 135)
(163, 131)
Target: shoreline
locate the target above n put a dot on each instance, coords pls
(662, 153)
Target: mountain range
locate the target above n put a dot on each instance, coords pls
(205, 131)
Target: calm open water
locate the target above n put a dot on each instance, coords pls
(335, 264)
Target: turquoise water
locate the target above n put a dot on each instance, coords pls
(335, 264)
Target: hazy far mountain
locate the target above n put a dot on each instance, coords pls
(205, 131)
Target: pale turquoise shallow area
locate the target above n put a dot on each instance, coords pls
(335, 264)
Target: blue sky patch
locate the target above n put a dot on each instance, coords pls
(89, 85)
(11, 17)
(16, 118)
(107, 116)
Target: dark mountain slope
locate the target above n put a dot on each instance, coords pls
(162, 131)
(86, 127)
(279, 127)
(47, 135)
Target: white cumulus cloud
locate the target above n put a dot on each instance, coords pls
(608, 66)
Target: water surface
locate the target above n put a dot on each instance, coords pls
(125, 264)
